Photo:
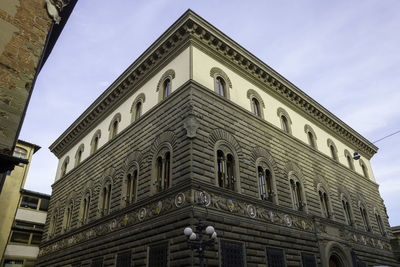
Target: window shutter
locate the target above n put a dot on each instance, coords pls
(232, 254)
(275, 257)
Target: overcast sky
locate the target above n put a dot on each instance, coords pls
(344, 54)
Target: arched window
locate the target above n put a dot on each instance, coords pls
(285, 120)
(78, 155)
(311, 140)
(68, 219)
(163, 167)
(364, 217)
(347, 211)
(256, 107)
(265, 184)
(95, 141)
(364, 168)
(53, 225)
(296, 193)
(64, 166)
(131, 189)
(333, 152)
(85, 206)
(349, 159)
(166, 88)
(138, 111)
(323, 198)
(226, 170)
(221, 86)
(284, 124)
(106, 199)
(113, 128)
(380, 224)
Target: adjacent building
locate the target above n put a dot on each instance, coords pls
(27, 228)
(11, 196)
(199, 127)
(29, 31)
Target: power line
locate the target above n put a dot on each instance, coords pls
(386, 136)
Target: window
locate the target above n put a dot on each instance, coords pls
(78, 155)
(347, 212)
(163, 166)
(138, 111)
(113, 128)
(68, 219)
(221, 87)
(265, 184)
(275, 257)
(166, 88)
(323, 198)
(222, 83)
(349, 159)
(85, 208)
(29, 202)
(284, 124)
(308, 260)
(36, 239)
(106, 199)
(364, 168)
(296, 193)
(380, 224)
(256, 107)
(20, 237)
(131, 189)
(44, 204)
(311, 136)
(226, 170)
(158, 255)
(21, 153)
(95, 142)
(53, 224)
(285, 120)
(97, 262)
(64, 166)
(124, 259)
(364, 217)
(232, 254)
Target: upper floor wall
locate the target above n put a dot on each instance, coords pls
(150, 93)
(241, 91)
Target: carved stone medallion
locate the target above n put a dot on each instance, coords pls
(271, 215)
(251, 210)
(142, 214)
(179, 200)
(288, 220)
(204, 198)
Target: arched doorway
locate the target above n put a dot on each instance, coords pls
(335, 261)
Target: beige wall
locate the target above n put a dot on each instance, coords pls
(10, 195)
(30, 215)
(23, 251)
(180, 65)
(202, 64)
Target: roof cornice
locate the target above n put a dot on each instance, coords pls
(190, 26)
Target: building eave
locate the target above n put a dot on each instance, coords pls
(190, 26)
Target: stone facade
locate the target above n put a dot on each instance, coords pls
(192, 124)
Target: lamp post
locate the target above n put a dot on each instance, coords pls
(197, 241)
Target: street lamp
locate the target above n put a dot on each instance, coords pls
(197, 241)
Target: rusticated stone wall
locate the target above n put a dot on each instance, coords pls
(192, 120)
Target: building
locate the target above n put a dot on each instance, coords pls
(29, 31)
(197, 118)
(10, 196)
(26, 232)
(396, 241)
